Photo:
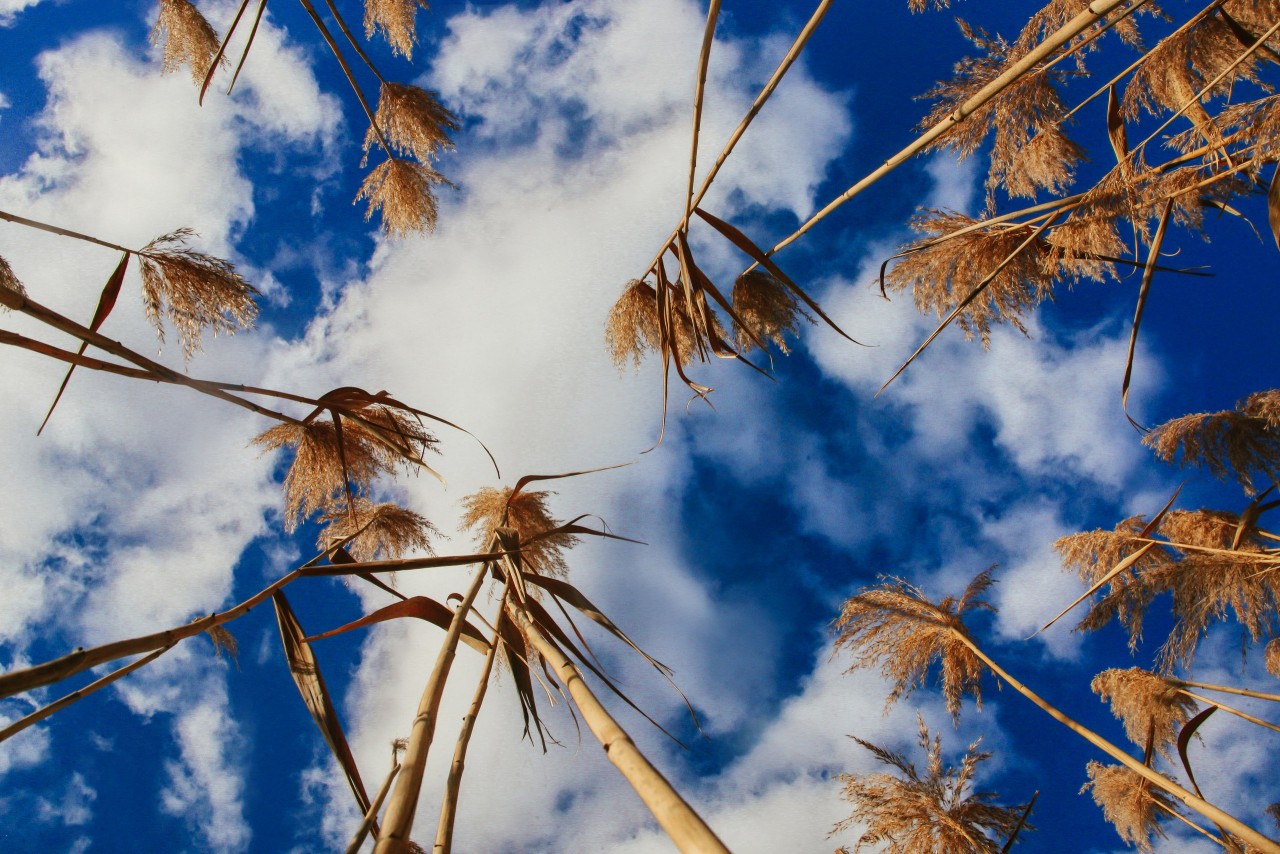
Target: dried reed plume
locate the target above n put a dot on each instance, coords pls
(896, 626)
(910, 813)
(1131, 804)
(380, 530)
(413, 120)
(1272, 658)
(1146, 704)
(401, 191)
(193, 290)
(767, 308)
(396, 20)
(941, 276)
(224, 642)
(490, 509)
(316, 477)
(1243, 442)
(633, 330)
(188, 38)
(8, 279)
(396, 436)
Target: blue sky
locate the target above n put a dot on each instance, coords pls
(142, 507)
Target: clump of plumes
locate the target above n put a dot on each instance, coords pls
(413, 120)
(1272, 660)
(937, 811)
(1147, 704)
(8, 280)
(490, 509)
(188, 38)
(401, 191)
(373, 531)
(1046, 161)
(396, 20)
(895, 626)
(632, 329)
(767, 308)
(1129, 803)
(940, 275)
(193, 290)
(1242, 442)
(323, 464)
(1211, 564)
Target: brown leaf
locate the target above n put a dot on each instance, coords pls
(421, 607)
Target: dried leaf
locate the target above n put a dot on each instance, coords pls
(421, 607)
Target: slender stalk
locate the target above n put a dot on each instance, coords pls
(449, 804)
(1226, 689)
(404, 800)
(366, 824)
(75, 696)
(685, 827)
(1245, 715)
(355, 43)
(704, 59)
(1092, 13)
(62, 232)
(1198, 804)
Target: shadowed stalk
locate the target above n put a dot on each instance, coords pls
(1187, 683)
(449, 804)
(1198, 804)
(398, 824)
(685, 827)
(75, 696)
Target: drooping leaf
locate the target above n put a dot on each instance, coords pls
(421, 607)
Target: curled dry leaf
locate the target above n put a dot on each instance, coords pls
(395, 18)
(895, 626)
(1243, 442)
(767, 307)
(193, 290)
(936, 811)
(413, 120)
(1128, 802)
(1146, 703)
(401, 190)
(375, 530)
(188, 38)
(490, 509)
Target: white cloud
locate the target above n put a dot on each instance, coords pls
(11, 9)
(76, 806)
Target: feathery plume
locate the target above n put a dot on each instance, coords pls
(1128, 802)
(490, 509)
(767, 308)
(632, 328)
(193, 290)
(401, 191)
(937, 811)
(942, 275)
(895, 626)
(224, 642)
(9, 280)
(188, 38)
(1272, 658)
(1243, 442)
(414, 121)
(1145, 703)
(383, 530)
(395, 18)
(317, 476)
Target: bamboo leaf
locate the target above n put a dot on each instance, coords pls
(1022, 822)
(1115, 127)
(244, 54)
(1273, 206)
(1184, 738)
(518, 660)
(421, 607)
(106, 302)
(315, 695)
(1143, 292)
(220, 56)
(530, 478)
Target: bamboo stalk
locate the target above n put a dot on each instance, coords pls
(704, 59)
(1194, 802)
(1092, 13)
(449, 804)
(366, 824)
(1226, 689)
(404, 800)
(685, 827)
(75, 696)
(1228, 709)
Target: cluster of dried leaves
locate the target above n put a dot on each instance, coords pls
(410, 125)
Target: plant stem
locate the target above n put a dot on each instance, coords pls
(1187, 683)
(685, 827)
(1206, 809)
(366, 824)
(404, 800)
(449, 804)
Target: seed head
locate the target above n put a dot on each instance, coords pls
(401, 191)
(188, 38)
